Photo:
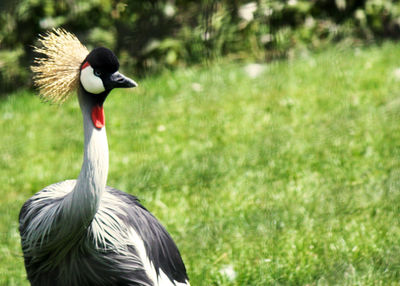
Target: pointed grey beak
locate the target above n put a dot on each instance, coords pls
(118, 80)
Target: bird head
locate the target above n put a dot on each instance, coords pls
(67, 66)
(99, 74)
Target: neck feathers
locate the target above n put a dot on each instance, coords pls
(83, 201)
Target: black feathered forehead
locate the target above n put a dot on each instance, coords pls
(103, 59)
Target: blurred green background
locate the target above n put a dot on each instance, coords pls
(149, 36)
(264, 135)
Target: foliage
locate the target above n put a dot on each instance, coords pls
(290, 177)
(12, 74)
(153, 35)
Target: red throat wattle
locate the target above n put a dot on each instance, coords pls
(98, 118)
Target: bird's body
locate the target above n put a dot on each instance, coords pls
(82, 232)
(135, 248)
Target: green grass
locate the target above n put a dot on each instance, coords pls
(291, 178)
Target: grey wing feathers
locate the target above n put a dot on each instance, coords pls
(160, 247)
(92, 258)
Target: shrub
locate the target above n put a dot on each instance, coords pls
(152, 35)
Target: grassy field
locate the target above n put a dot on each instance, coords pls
(288, 178)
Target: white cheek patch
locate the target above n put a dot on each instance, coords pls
(90, 82)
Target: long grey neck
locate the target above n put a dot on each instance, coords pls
(83, 202)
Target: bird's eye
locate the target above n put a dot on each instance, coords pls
(97, 73)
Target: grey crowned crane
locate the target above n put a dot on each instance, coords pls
(83, 232)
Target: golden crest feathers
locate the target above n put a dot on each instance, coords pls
(56, 75)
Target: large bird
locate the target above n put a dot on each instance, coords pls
(82, 232)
